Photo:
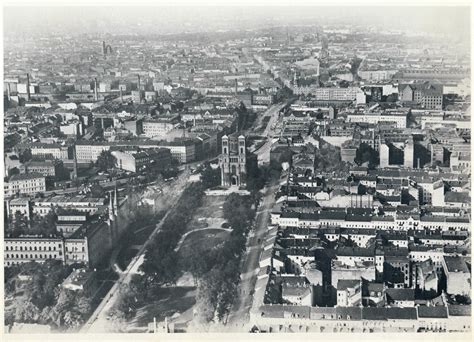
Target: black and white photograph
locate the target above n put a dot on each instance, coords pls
(241, 168)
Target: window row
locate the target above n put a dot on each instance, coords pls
(31, 248)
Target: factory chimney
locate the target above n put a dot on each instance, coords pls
(96, 94)
(28, 86)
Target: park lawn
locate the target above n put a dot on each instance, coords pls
(203, 240)
(211, 207)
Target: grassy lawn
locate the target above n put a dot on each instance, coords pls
(210, 214)
(211, 207)
(203, 239)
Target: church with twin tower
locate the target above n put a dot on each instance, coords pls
(232, 161)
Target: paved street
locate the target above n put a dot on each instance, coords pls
(239, 315)
(263, 153)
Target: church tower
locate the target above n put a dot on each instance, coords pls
(233, 161)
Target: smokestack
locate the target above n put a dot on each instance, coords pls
(121, 95)
(74, 172)
(104, 48)
(138, 82)
(418, 162)
(8, 92)
(28, 86)
(96, 95)
(236, 86)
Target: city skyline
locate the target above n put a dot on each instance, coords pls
(237, 169)
(144, 19)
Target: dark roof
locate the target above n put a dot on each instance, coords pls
(455, 264)
(25, 176)
(351, 313)
(332, 215)
(355, 251)
(457, 197)
(432, 312)
(273, 311)
(290, 214)
(459, 310)
(401, 313)
(344, 284)
(374, 314)
(401, 294)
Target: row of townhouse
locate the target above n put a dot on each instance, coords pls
(341, 219)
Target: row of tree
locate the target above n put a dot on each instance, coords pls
(217, 270)
(160, 266)
(19, 224)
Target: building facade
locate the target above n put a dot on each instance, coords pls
(232, 161)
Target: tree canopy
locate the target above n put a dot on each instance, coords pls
(364, 154)
(105, 161)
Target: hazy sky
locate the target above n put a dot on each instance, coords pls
(139, 19)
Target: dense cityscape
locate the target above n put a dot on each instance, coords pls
(264, 179)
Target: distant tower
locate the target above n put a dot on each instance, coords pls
(232, 161)
(28, 87)
(106, 49)
(235, 86)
